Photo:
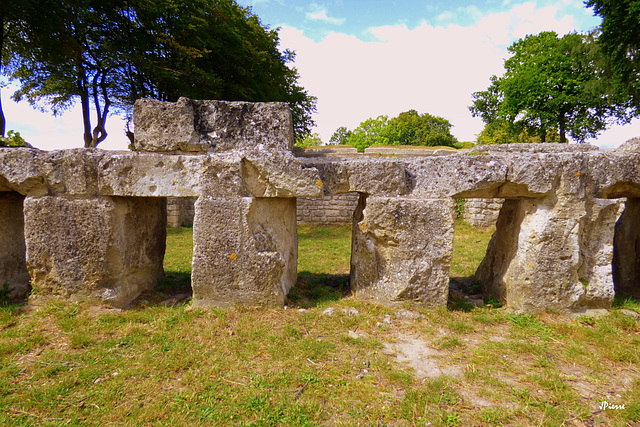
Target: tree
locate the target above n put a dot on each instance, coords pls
(553, 83)
(620, 42)
(109, 53)
(11, 27)
(411, 128)
(502, 132)
(369, 132)
(340, 136)
(408, 128)
(309, 140)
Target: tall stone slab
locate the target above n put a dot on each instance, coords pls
(14, 277)
(552, 254)
(245, 251)
(401, 250)
(101, 248)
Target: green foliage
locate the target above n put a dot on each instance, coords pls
(411, 128)
(408, 128)
(4, 295)
(551, 84)
(13, 139)
(460, 208)
(309, 140)
(340, 136)
(620, 41)
(463, 145)
(502, 132)
(110, 54)
(368, 133)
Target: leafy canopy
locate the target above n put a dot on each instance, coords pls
(553, 84)
(408, 128)
(620, 42)
(108, 53)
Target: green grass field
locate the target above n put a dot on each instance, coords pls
(71, 363)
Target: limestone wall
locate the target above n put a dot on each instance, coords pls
(482, 213)
(328, 210)
(93, 222)
(180, 211)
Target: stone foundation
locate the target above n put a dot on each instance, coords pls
(95, 222)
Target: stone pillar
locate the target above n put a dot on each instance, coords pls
(401, 250)
(245, 251)
(13, 269)
(105, 248)
(551, 254)
(626, 259)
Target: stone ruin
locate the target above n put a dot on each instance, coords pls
(87, 223)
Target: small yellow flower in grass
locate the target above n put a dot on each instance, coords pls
(363, 226)
(233, 257)
(319, 183)
(578, 174)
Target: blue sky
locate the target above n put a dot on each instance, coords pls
(364, 59)
(317, 19)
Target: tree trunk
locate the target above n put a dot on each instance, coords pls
(563, 131)
(100, 131)
(86, 121)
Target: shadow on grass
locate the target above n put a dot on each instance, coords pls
(174, 289)
(630, 302)
(466, 293)
(312, 290)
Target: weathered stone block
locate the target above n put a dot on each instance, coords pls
(13, 269)
(211, 126)
(20, 172)
(157, 175)
(245, 251)
(551, 254)
(104, 248)
(401, 250)
(597, 231)
(71, 172)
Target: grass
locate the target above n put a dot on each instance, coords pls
(71, 363)
(469, 248)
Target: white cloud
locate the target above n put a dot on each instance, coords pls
(44, 131)
(432, 69)
(319, 13)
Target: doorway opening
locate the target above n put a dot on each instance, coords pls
(324, 249)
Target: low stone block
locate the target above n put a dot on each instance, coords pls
(104, 248)
(211, 126)
(245, 251)
(401, 250)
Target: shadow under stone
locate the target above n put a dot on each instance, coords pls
(312, 290)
